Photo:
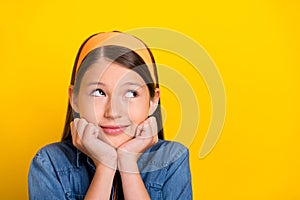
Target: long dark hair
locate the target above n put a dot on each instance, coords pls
(122, 56)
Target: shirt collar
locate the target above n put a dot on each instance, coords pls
(81, 157)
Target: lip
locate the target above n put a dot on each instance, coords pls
(114, 130)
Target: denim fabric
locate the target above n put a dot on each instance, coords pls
(60, 171)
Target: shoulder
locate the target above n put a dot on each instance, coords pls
(60, 148)
(173, 150)
(169, 146)
(55, 153)
(163, 154)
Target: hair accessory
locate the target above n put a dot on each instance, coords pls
(118, 39)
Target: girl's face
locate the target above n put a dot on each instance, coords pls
(115, 98)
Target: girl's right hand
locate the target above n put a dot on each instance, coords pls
(89, 139)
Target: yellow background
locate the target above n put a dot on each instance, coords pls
(255, 44)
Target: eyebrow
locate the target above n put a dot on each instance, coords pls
(124, 84)
(96, 83)
(132, 83)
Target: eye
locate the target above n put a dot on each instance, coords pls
(98, 93)
(131, 94)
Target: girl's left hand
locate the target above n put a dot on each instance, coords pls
(128, 153)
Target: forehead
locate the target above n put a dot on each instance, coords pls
(110, 73)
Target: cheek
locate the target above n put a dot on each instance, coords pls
(89, 109)
(138, 111)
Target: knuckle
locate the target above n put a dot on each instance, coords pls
(89, 127)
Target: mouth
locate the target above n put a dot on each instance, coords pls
(114, 130)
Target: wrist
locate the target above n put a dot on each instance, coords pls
(104, 169)
(109, 162)
(127, 162)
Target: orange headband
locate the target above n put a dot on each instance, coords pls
(118, 39)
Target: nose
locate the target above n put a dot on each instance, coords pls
(113, 109)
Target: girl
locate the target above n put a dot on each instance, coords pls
(112, 146)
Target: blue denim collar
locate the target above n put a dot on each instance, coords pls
(80, 156)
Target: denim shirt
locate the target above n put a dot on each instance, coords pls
(60, 171)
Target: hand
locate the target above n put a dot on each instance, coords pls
(89, 139)
(129, 152)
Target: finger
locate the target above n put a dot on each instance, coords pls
(80, 125)
(76, 121)
(81, 139)
(149, 128)
(101, 135)
(90, 131)
(153, 125)
(76, 141)
(75, 124)
(139, 130)
(73, 131)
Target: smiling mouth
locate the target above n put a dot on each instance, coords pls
(113, 130)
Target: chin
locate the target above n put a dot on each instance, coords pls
(119, 141)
